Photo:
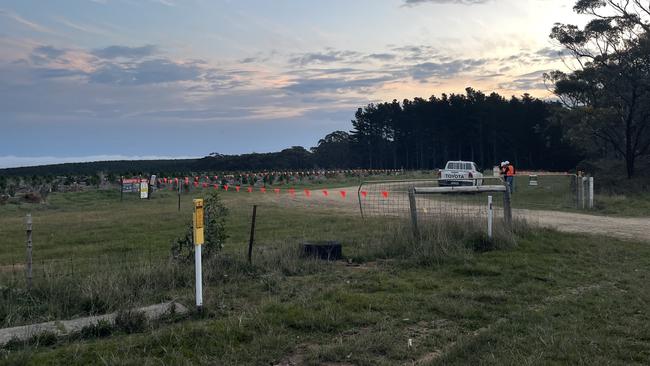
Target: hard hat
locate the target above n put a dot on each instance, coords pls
(507, 162)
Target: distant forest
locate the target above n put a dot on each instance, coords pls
(414, 134)
(425, 133)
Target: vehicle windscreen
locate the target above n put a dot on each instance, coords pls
(459, 166)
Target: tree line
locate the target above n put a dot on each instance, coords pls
(425, 133)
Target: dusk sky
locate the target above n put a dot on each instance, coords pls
(112, 79)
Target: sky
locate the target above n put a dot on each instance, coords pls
(84, 80)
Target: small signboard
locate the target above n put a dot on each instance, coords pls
(532, 180)
(131, 185)
(144, 189)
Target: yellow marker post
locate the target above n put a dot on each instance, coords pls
(197, 225)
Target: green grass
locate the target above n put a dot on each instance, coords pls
(541, 297)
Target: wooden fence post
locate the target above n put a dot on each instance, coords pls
(591, 192)
(179, 195)
(490, 217)
(28, 269)
(507, 209)
(414, 212)
(252, 237)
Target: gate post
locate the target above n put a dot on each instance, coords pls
(507, 210)
(414, 212)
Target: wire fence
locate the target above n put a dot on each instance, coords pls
(78, 267)
(532, 196)
(391, 199)
(551, 192)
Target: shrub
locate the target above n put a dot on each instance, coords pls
(215, 213)
(100, 329)
(33, 197)
(130, 321)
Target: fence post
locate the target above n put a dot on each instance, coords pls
(584, 192)
(490, 217)
(252, 237)
(28, 221)
(507, 210)
(414, 212)
(179, 196)
(591, 192)
(577, 192)
(198, 238)
(359, 197)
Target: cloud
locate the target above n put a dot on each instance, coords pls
(43, 54)
(330, 56)
(528, 81)
(113, 52)
(551, 53)
(320, 85)
(29, 24)
(145, 72)
(50, 73)
(84, 27)
(417, 53)
(382, 56)
(424, 71)
(410, 3)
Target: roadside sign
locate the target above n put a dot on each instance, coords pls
(144, 189)
(130, 185)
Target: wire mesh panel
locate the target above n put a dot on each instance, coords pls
(391, 199)
(547, 192)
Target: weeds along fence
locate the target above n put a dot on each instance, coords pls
(74, 267)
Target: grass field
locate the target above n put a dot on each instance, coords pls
(540, 297)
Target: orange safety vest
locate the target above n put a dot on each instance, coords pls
(510, 171)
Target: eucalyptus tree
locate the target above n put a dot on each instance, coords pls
(608, 92)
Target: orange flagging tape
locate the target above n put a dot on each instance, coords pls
(307, 193)
(325, 192)
(237, 188)
(364, 194)
(343, 194)
(385, 194)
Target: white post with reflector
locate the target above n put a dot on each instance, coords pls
(199, 239)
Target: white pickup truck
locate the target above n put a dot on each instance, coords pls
(460, 173)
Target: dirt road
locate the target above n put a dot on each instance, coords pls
(637, 228)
